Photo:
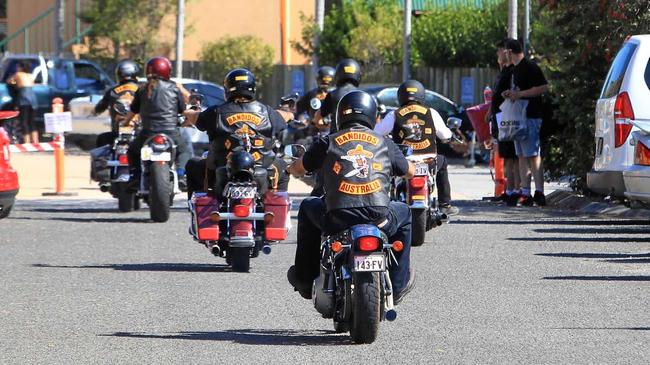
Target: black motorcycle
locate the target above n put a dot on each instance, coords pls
(159, 181)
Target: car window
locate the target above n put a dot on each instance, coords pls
(60, 75)
(213, 95)
(439, 104)
(9, 68)
(388, 97)
(616, 72)
(87, 76)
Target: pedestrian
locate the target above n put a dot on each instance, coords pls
(528, 83)
(25, 100)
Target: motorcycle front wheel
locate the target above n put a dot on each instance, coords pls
(240, 259)
(159, 192)
(125, 199)
(366, 309)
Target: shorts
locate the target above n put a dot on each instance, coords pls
(529, 147)
(507, 149)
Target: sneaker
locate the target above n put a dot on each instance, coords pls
(512, 200)
(539, 198)
(398, 296)
(448, 209)
(526, 201)
(303, 289)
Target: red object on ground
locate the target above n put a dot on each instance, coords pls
(476, 115)
(8, 176)
(499, 175)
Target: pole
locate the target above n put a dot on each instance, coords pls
(180, 33)
(320, 21)
(526, 26)
(59, 27)
(284, 27)
(406, 58)
(512, 19)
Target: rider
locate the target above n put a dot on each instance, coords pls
(127, 73)
(158, 102)
(287, 107)
(348, 77)
(324, 78)
(356, 163)
(417, 126)
(240, 115)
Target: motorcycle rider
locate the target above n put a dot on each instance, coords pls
(126, 73)
(158, 102)
(417, 126)
(287, 107)
(348, 77)
(324, 78)
(356, 163)
(241, 114)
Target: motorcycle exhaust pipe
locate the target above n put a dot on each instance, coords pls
(266, 249)
(216, 251)
(104, 188)
(391, 315)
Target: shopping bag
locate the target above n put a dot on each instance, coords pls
(512, 120)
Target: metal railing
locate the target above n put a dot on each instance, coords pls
(24, 30)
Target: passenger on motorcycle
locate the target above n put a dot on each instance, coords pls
(357, 164)
(417, 126)
(227, 123)
(324, 79)
(126, 73)
(348, 77)
(158, 102)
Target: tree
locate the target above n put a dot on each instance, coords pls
(575, 42)
(130, 26)
(233, 52)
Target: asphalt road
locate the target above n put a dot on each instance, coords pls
(84, 284)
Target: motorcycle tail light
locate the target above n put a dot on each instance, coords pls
(398, 246)
(336, 246)
(123, 159)
(623, 113)
(159, 139)
(368, 243)
(641, 154)
(418, 182)
(241, 211)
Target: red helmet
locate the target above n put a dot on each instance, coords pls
(159, 67)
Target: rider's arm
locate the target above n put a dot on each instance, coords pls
(400, 165)
(104, 103)
(312, 159)
(184, 92)
(442, 131)
(385, 127)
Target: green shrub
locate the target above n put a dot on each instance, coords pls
(233, 52)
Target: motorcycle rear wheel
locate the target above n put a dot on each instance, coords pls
(240, 259)
(159, 192)
(366, 311)
(418, 226)
(125, 199)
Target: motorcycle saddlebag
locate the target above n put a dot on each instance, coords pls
(202, 206)
(98, 157)
(277, 202)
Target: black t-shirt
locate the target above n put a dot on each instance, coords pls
(302, 105)
(501, 84)
(526, 75)
(207, 121)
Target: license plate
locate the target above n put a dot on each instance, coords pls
(161, 156)
(242, 192)
(375, 262)
(421, 169)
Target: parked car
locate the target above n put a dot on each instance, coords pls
(637, 176)
(55, 77)
(623, 100)
(8, 176)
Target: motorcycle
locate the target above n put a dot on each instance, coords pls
(245, 218)
(354, 287)
(158, 181)
(110, 164)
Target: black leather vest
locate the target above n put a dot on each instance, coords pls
(159, 113)
(125, 91)
(233, 121)
(414, 127)
(356, 171)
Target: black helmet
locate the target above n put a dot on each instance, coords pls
(325, 76)
(410, 91)
(290, 100)
(239, 82)
(240, 165)
(356, 107)
(348, 70)
(127, 70)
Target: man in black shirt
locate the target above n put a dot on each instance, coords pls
(324, 79)
(528, 83)
(357, 163)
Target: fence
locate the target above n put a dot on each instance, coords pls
(462, 85)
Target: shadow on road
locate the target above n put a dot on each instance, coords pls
(593, 255)
(605, 328)
(88, 220)
(631, 230)
(163, 266)
(251, 337)
(582, 239)
(560, 222)
(600, 278)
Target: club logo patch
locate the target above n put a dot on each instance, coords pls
(418, 145)
(413, 108)
(360, 189)
(356, 137)
(244, 117)
(359, 158)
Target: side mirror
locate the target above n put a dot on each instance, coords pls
(381, 108)
(454, 123)
(294, 151)
(406, 150)
(315, 103)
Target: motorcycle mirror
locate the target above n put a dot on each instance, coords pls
(454, 123)
(294, 150)
(315, 103)
(406, 150)
(382, 109)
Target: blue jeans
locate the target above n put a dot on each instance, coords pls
(312, 223)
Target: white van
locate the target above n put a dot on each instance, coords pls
(625, 97)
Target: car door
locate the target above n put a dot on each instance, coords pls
(89, 79)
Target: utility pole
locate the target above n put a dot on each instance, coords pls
(406, 57)
(59, 27)
(320, 21)
(526, 26)
(180, 33)
(512, 19)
